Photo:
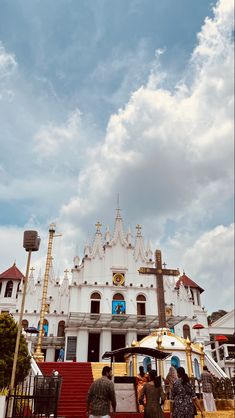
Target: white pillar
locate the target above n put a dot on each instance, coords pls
(105, 342)
(50, 354)
(82, 345)
(217, 351)
(131, 335)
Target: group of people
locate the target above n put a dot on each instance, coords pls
(151, 396)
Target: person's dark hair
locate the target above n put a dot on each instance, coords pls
(156, 379)
(149, 367)
(106, 369)
(181, 374)
(141, 370)
(205, 368)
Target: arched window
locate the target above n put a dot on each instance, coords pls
(95, 303)
(9, 288)
(198, 298)
(60, 330)
(175, 361)
(118, 296)
(45, 327)
(186, 331)
(146, 363)
(196, 369)
(25, 324)
(141, 301)
(118, 304)
(192, 296)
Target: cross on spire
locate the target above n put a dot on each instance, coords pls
(138, 229)
(118, 210)
(98, 226)
(159, 272)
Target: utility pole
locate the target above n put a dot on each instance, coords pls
(31, 243)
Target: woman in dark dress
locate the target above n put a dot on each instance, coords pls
(183, 396)
(154, 395)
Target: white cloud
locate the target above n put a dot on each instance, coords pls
(211, 259)
(52, 140)
(170, 153)
(8, 63)
(175, 145)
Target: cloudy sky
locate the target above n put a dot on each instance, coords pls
(131, 97)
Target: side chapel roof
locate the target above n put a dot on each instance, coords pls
(13, 273)
(187, 282)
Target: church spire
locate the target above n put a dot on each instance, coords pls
(97, 247)
(31, 283)
(139, 251)
(118, 227)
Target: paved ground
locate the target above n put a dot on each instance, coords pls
(219, 414)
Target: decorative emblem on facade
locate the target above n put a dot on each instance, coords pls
(118, 279)
(168, 312)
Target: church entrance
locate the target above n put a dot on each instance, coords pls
(93, 347)
(118, 341)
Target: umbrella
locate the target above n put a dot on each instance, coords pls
(221, 338)
(32, 330)
(198, 326)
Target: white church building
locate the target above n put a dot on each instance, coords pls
(104, 303)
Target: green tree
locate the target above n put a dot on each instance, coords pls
(215, 316)
(8, 332)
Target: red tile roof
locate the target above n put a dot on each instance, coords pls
(188, 282)
(13, 273)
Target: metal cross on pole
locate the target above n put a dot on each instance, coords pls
(159, 272)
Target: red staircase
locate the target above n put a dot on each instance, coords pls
(77, 378)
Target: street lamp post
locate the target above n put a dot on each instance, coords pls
(31, 243)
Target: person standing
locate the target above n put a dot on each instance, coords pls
(61, 354)
(101, 393)
(154, 396)
(207, 385)
(170, 380)
(141, 379)
(184, 397)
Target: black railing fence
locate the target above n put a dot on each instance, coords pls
(35, 398)
(223, 388)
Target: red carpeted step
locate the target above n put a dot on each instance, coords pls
(77, 378)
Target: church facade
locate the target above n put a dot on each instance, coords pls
(104, 303)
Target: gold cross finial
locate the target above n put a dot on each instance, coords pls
(66, 271)
(32, 269)
(98, 226)
(138, 228)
